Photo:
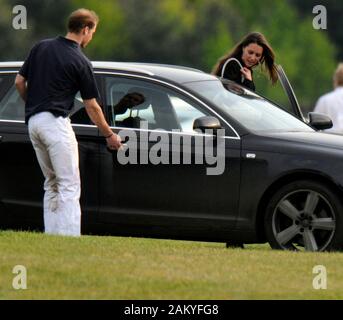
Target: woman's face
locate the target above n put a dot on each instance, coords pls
(252, 54)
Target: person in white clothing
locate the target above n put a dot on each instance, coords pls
(331, 103)
(55, 70)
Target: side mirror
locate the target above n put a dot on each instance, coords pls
(319, 121)
(204, 123)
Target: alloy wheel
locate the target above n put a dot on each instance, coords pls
(304, 220)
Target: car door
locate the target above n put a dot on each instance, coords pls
(89, 142)
(20, 177)
(295, 108)
(148, 197)
(21, 180)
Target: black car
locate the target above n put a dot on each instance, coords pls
(281, 183)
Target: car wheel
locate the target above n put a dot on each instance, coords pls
(306, 216)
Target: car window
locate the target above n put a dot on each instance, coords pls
(78, 114)
(186, 113)
(275, 93)
(249, 109)
(11, 104)
(129, 102)
(6, 81)
(12, 107)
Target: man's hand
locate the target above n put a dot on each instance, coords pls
(95, 113)
(114, 142)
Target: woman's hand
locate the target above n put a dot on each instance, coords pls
(246, 73)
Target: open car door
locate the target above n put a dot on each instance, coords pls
(316, 120)
(290, 93)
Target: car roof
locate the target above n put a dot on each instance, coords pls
(174, 73)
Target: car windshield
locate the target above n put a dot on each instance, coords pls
(252, 111)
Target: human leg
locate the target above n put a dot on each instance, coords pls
(57, 152)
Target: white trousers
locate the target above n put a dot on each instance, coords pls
(57, 152)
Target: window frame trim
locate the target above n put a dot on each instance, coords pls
(176, 88)
(154, 80)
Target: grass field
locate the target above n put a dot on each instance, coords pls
(130, 268)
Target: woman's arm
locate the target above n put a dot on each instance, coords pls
(233, 72)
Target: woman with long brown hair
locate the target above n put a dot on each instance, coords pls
(237, 65)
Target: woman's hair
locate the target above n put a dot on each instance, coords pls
(267, 59)
(338, 76)
(82, 18)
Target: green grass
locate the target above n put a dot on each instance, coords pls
(130, 268)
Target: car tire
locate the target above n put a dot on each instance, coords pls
(304, 215)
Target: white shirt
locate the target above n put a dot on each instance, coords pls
(331, 104)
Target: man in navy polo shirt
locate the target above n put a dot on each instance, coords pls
(55, 70)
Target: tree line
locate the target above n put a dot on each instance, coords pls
(193, 33)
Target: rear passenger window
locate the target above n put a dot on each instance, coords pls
(5, 83)
(11, 104)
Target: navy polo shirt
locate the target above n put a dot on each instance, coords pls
(55, 70)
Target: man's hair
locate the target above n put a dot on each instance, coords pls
(82, 18)
(338, 76)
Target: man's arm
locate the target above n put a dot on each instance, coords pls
(20, 84)
(96, 115)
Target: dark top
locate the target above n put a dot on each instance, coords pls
(55, 70)
(233, 72)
